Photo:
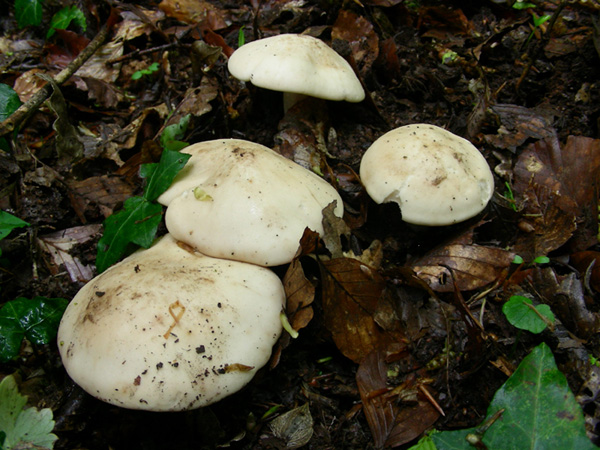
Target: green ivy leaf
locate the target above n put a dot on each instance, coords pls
(36, 319)
(534, 409)
(521, 313)
(135, 224)
(9, 101)
(171, 135)
(161, 175)
(63, 18)
(8, 222)
(28, 12)
(23, 428)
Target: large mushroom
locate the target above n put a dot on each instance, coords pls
(170, 329)
(435, 177)
(240, 200)
(296, 64)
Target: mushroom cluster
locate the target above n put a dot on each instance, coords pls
(191, 319)
(435, 177)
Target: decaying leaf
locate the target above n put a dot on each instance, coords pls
(392, 424)
(565, 296)
(295, 427)
(358, 32)
(351, 296)
(60, 244)
(473, 266)
(548, 210)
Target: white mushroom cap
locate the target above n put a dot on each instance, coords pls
(296, 63)
(436, 177)
(239, 200)
(169, 329)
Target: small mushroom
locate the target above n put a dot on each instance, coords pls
(170, 329)
(436, 177)
(239, 200)
(296, 64)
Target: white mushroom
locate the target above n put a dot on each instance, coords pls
(436, 177)
(296, 64)
(239, 200)
(170, 329)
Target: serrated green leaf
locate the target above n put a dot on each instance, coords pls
(135, 224)
(63, 18)
(538, 412)
(525, 317)
(160, 176)
(9, 101)
(23, 428)
(28, 12)
(36, 319)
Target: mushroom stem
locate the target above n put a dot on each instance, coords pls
(287, 326)
(290, 99)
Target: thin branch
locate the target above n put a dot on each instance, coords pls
(32, 105)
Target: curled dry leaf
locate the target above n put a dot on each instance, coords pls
(549, 211)
(351, 296)
(473, 266)
(564, 294)
(359, 33)
(295, 427)
(60, 246)
(391, 424)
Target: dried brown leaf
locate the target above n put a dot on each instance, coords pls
(391, 424)
(351, 295)
(472, 266)
(194, 11)
(358, 32)
(300, 293)
(549, 211)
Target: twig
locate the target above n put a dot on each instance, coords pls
(40, 96)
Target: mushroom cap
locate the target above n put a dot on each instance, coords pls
(239, 200)
(436, 177)
(170, 329)
(296, 63)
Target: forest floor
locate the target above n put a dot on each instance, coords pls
(525, 93)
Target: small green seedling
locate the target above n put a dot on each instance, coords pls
(509, 195)
(449, 57)
(149, 71)
(241, 37)
(521, 313)
(8, 222)
(539, 260)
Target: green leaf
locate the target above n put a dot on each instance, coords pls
(63, 18)
(149, 71)
(541, 260)
(534, 409)
(8, 222)
(161, 175)
(9, 101)
(28, 12)
(521, 313)
(23, 428)
(135, 224)
(36, 319)
(425, 443)
(171, 135)
(523, 5)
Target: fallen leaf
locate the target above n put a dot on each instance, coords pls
(60, 246)
(358, 32)
(351, 293)
(547, 209)
(473, 266)
(565, 296)
(391, 424)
